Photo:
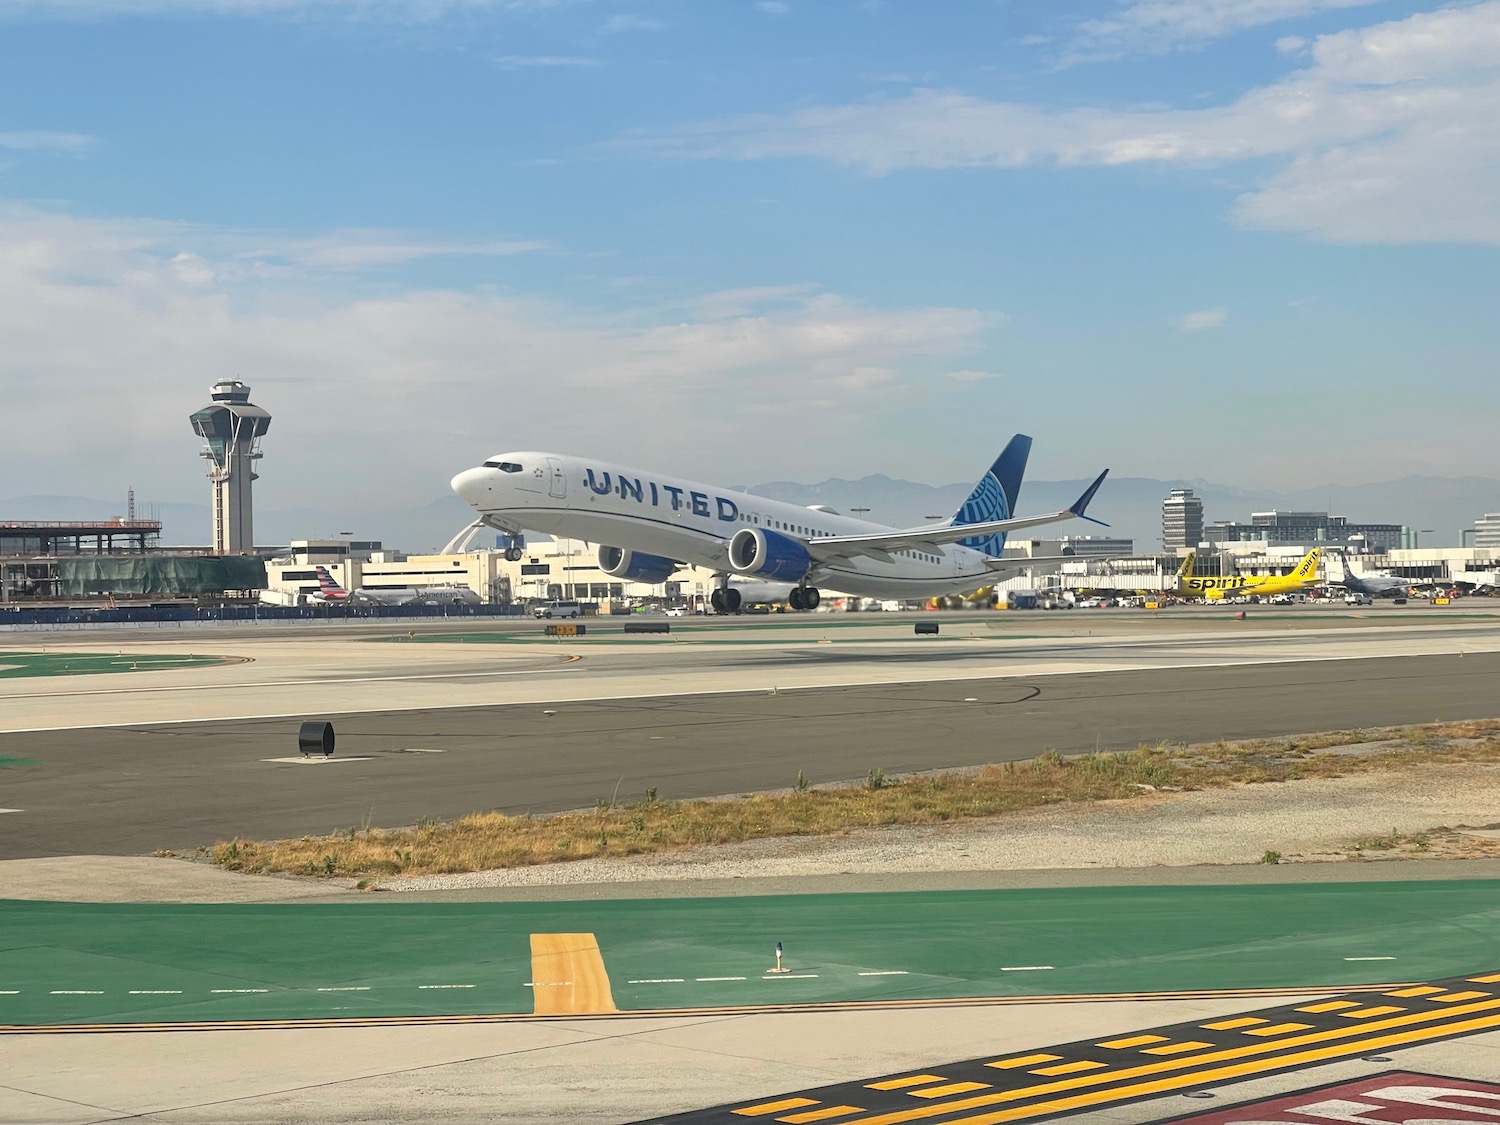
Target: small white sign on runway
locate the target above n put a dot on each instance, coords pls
(298, 761)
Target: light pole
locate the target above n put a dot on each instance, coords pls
(1415, 541)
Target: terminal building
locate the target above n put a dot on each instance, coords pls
(1181, 521)
(1277, 528)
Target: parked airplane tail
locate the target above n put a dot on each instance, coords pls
(994, 497)
(328, 585)
(1307, 569)
(1186, 569)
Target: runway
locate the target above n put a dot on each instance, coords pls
(674, 717)
(361, 668)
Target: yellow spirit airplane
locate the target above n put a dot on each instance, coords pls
(1238, 585)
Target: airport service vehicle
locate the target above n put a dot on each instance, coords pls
(1353, 598)
(330, 592)
(1231, 587)
(1341, 573)
(648, 525)
(558, 609)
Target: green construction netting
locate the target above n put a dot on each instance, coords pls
(159, 574)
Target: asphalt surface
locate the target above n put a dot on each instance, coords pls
(130, 790)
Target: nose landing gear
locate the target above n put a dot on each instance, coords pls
(515, 548)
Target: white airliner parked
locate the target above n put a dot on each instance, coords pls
(331, 593)
(649, 525)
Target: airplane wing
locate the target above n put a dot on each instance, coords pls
(879, 546)
(1021, 562)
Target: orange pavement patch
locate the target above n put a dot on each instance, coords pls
(568, 977)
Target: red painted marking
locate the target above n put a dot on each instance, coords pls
(1397, 1097)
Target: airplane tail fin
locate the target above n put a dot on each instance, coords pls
(1307, 569)
(327, 583)
(994, 497)
(1186, 569)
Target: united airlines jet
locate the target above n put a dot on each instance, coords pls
(649, 525)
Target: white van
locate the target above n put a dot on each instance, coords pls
(559, 609)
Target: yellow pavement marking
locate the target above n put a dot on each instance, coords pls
(821, 1114)
(1024, 1060)
(1455, 997)
(1490, 979)
(1161, 1085)
(572, 965)
(1363, 1036)
(902, 1083)
(1385, 1010)
(1334, 1005)
(1230, 1025)
(1282, 1028)
(1070, 1068)
(1177, 1048)
(951, 1088)
(1419, 990)
(775, 1107)
(1133, 1041)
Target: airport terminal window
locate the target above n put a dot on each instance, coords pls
(503, 466)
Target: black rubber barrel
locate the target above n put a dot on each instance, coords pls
(315, 738)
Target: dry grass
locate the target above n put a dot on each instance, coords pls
(488, 840)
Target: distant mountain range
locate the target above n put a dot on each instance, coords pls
(1439, 507)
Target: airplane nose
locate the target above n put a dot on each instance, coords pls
(471, 485)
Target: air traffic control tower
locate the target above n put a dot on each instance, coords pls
(231, 428)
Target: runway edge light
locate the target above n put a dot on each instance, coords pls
(778, 968)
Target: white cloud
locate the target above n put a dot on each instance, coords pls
(968, 376)
(1159, 26)
(1390, 134)
(353, 250)
(1199, 321)
(360, 9)
(522, 62)
(42, 139)
(136, 319)
(629, 22)
(1290, 44)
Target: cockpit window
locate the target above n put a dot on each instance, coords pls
(503, 466)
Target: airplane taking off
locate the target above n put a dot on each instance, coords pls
(330, 592)
(1237, 585)
(649, 525)
(1371, 585)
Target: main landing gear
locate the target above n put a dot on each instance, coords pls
(726, 599)
(515, 549)
(805, 597)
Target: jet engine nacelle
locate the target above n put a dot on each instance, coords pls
(768, 554)
(633, 566)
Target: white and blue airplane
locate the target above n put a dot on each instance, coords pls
(649, 525)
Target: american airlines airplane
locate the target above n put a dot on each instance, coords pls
(649, 525)
(331, 593)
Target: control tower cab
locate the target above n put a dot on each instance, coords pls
(231, 428)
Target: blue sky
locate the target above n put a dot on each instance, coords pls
(1249, 240)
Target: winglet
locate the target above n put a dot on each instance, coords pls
(1082, 502)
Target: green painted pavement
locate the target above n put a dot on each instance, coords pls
(14, 665)
(81, 963)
